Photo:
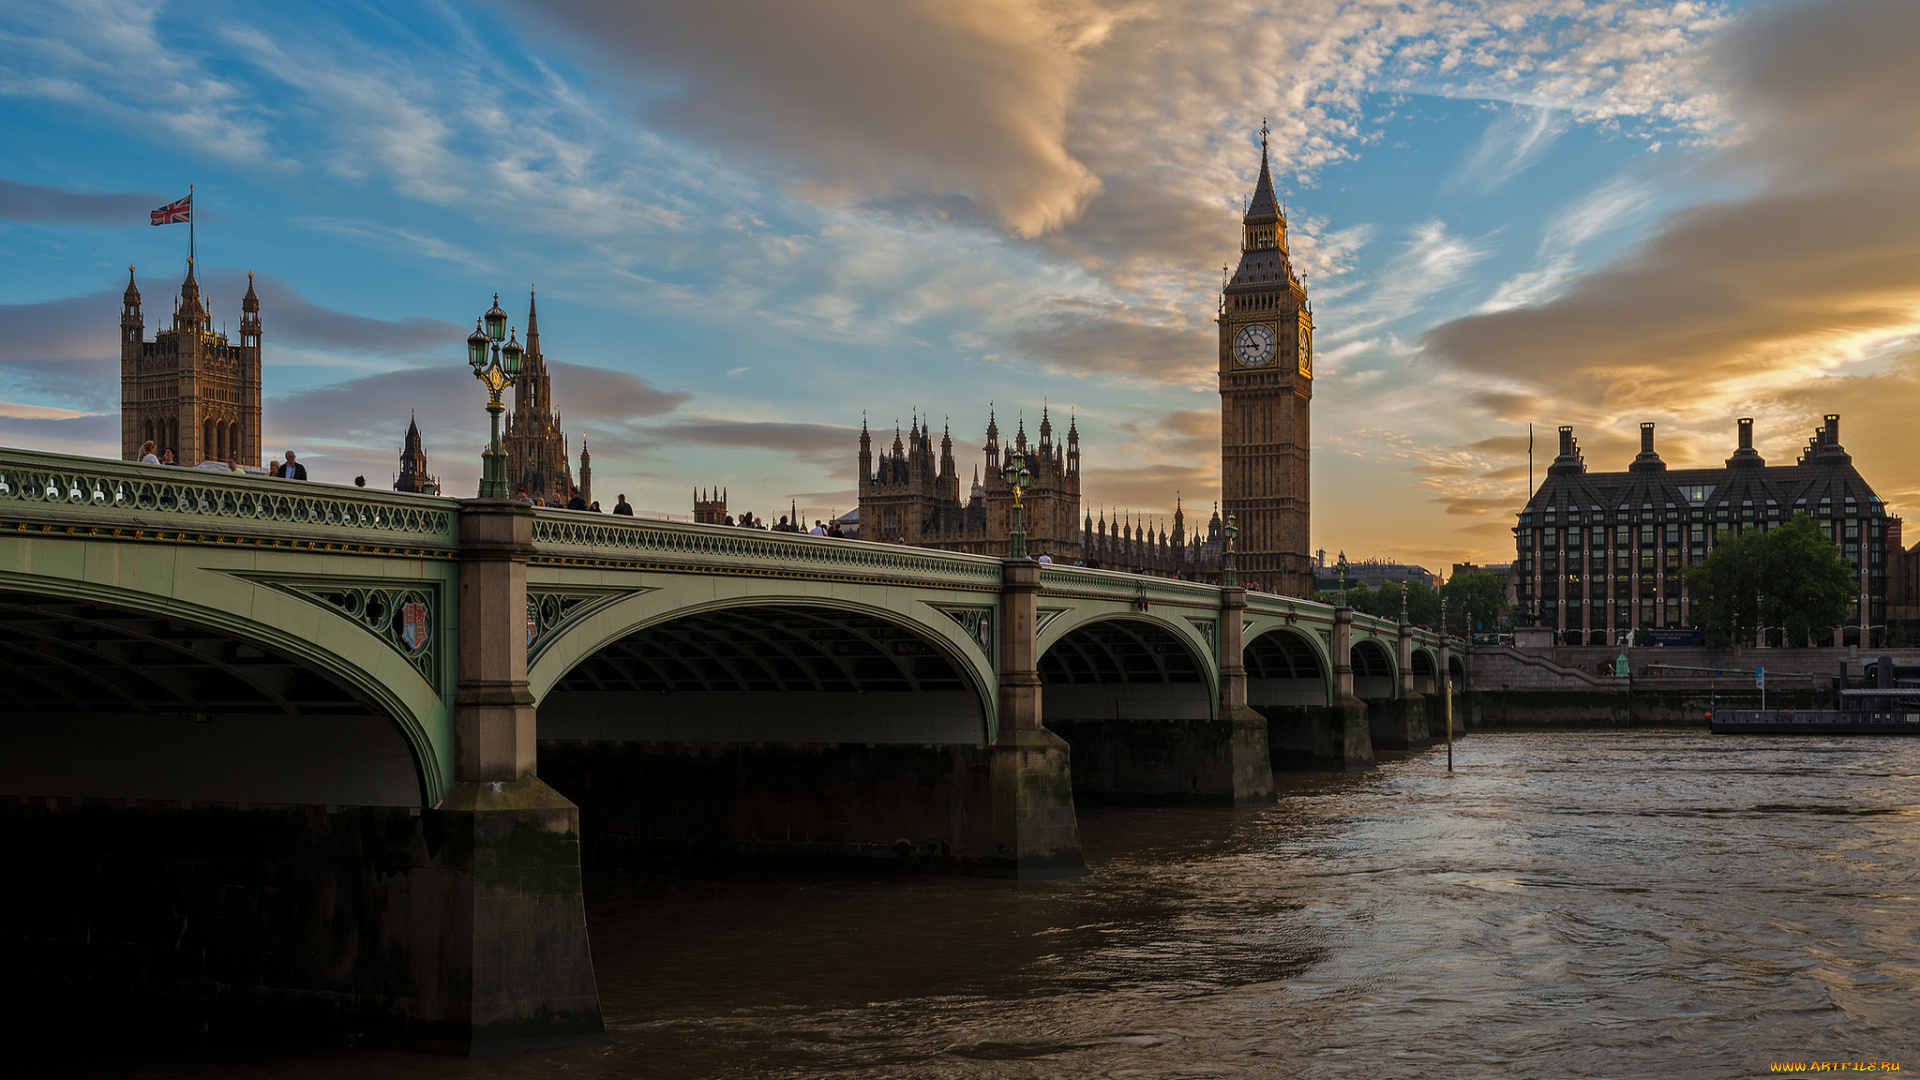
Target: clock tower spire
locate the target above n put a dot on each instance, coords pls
(1266, 392)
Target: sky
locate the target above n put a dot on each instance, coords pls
(752, 225)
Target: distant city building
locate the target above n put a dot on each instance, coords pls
(1372, 573)
(190, 389)
(413, 465)
(536, 447)
(1600, 554)
(1266, 393)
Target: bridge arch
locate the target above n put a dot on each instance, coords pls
(1373, 670)
(1103, 667)
(1424, 669)
(1287, 666)
(799, 671)
(247, 694)
(1149, 629)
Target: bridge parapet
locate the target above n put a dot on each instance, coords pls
(1118, 585)
(130, 500)
(571, 536)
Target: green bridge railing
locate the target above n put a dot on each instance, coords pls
(57, 491)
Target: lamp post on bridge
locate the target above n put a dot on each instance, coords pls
(1232, 534)
(1343, 579)
(496, 366)
(1019, 478)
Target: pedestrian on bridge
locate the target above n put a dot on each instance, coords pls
(291, 469)
(146, 454)
(622, 507)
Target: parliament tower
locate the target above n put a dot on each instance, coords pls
(534, 443)
(1266, 394)
(191, 389)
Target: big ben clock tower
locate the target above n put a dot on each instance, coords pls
(1266, 393)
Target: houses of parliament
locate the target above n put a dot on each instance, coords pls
(911, 494)
(194, 391)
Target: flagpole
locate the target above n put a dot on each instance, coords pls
(190, 247)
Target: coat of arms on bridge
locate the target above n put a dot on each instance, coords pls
(413, 625)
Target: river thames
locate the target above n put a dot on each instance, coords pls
(1569, 904)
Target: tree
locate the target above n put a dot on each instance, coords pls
(1806, 586)
(1726, 587)
(1473, 596)
(1791, 576)
(1422, 603)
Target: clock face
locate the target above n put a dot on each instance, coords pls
(1306, 351)
(1253, 346)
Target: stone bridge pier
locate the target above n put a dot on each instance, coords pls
(1332, 699)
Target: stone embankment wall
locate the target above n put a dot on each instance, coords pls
(1573, 686)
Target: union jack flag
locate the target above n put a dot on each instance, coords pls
(180, 210)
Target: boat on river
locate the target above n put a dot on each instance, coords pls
(1862, 712)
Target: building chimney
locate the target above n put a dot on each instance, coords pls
(1648, 461)
(1569, 460)
(1833, 429)
(1746, 454)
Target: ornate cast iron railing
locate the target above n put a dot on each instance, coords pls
(572, 534)
(61, 491)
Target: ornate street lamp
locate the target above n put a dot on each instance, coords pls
(1403, 603)
(1343, 577)
(1233, 533)
(496, 366)
(1019, 478)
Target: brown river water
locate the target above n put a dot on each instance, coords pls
(1567, 904)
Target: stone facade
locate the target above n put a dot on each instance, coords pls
(413, 465)
(190, 389)
(1600, 554)
(1266, 394)
(536, 447)
(710, 507)
(912, 495)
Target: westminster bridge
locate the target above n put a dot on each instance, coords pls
(296, 753)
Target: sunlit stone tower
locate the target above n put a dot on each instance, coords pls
(536, 447)
(1266, 393)
(190, 389)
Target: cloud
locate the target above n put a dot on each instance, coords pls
(288, 316)
(69, 328)
(1513, 142)
(969, 96)
(16, 411)
(1805, 274)
(87, 435)
(827, 446)
(1150, 490)
(36, 202)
